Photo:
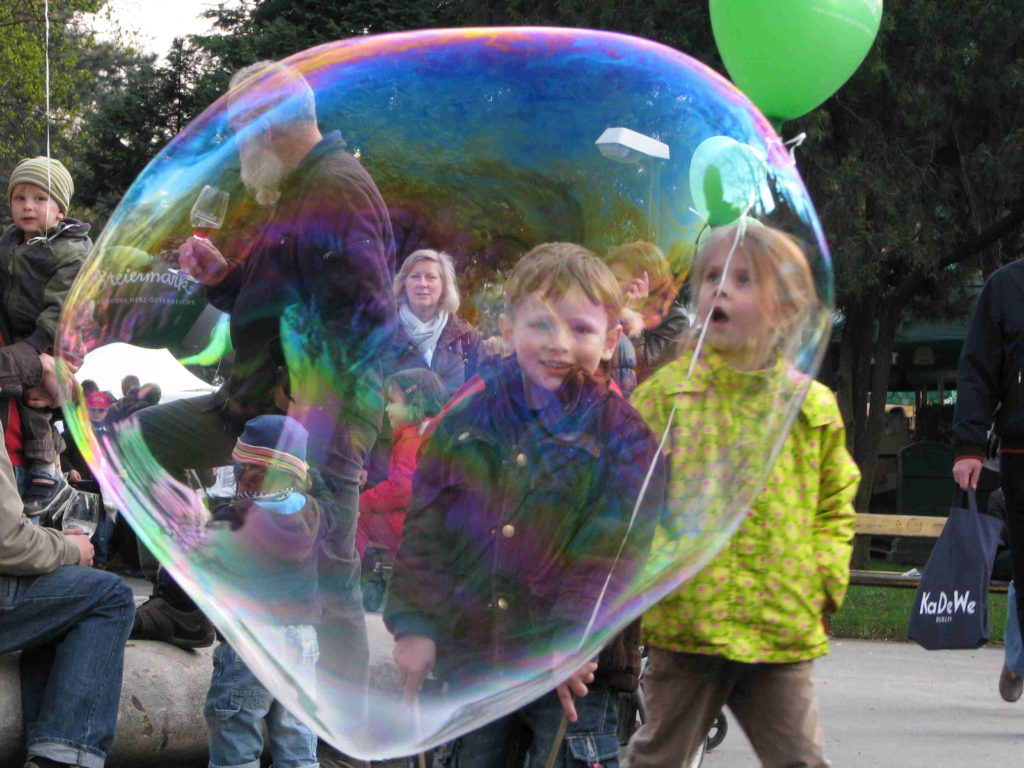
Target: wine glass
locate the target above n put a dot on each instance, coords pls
(208, 211)
(83, 514)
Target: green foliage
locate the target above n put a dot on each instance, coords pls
(23, 118)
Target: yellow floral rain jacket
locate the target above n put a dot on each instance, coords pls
(761, 598)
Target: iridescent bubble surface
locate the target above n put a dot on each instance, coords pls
(483, 143)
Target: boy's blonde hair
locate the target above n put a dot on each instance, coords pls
(786, 294)
(553, 269)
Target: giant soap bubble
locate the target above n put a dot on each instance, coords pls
(483, 143)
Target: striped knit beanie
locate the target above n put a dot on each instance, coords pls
(57, 183)
(276, 442)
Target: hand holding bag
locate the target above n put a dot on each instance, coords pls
(951, 606)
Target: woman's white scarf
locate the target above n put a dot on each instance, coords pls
(423, 335)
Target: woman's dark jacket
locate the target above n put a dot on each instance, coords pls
(455, 357)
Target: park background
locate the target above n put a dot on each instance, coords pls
(915, 165)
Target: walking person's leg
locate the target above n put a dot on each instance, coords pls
(1011, 678)
(683, 693)
(777, 706)
(1011, 474)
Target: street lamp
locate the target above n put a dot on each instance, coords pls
(624, 145)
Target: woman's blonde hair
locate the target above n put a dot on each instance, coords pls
(449, 288)
(786, 294)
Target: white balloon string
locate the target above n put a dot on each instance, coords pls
(46, 57)
(741, 228)
(793, 144)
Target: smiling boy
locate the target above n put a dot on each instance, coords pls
(520, 529)
(40, 256)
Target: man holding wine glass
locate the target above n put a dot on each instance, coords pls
(69, 621)
(312, 285)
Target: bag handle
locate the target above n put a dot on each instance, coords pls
(972, 498)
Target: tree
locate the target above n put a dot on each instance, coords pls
(23, 87)
(915, 166)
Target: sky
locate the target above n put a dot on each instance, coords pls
(153, 24)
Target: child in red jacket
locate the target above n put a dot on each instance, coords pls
(414, 396)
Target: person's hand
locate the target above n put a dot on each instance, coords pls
(967, 472)
(632, 323)
(47, 393)
(637, 290)
(202, 260)
(497, 345)
(85, 550)
(575, 685)
(74, 476)
(415, 656)
(363, 476)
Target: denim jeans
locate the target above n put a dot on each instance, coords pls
(101, 538)
(1013, 650)
(591, 742)
(71, 626)
(237, 703)
(21, 481)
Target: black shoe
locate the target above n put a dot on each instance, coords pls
(44, 494)
(1010, 685)
(156, 619)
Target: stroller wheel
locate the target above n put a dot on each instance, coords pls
(373, 594)
(718, 730)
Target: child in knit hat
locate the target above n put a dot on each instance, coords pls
(40, 256)
(272, 525)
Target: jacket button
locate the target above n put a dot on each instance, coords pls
(521, 459)
(502, 604)
(508, 531)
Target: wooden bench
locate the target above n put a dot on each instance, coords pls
(921, 526)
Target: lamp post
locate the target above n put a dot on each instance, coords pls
(624, 145)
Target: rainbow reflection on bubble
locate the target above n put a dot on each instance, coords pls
(483, 143)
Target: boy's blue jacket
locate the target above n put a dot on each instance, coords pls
(517, 521)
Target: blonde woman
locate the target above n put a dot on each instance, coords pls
(430, 334)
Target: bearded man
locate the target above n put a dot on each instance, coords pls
(311, 309)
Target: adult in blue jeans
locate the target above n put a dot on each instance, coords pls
(69, 621)
(990, 396)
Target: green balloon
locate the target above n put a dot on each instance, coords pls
(788, 56)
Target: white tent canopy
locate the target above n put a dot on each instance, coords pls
(107, 365)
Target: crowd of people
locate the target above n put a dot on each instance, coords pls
(550, 443)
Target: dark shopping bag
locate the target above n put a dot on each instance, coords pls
(951, 606)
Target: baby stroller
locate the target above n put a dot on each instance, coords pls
(633, 714)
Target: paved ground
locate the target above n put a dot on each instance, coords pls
(895, 704)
